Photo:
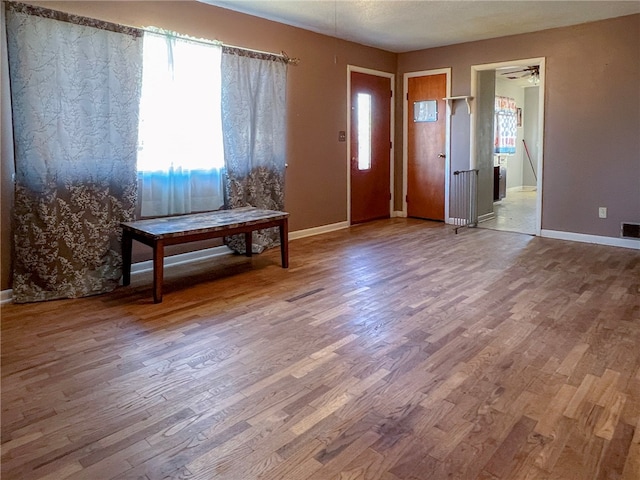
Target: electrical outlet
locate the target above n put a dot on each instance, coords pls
(602, 212)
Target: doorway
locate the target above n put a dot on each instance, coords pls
(426, 143)
(511, 179)
(370, 149)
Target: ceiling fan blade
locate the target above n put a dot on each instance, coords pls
(525, 70)
(532, 73)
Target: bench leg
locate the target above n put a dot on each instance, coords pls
(158, 271)
(248, 243)
(126, 257)
(284, 242)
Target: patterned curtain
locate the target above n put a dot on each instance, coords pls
(254, 128)
(506, 126)
(75, 87)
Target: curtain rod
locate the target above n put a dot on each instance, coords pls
(131, 30)
(282, 55)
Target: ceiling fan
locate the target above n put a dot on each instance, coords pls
(531, 72)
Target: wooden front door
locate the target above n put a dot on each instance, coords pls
(426, 134)
(370, 147)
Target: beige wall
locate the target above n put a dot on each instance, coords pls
(592, 116)
(316, 179)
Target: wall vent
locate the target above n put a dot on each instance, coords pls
(630, 230)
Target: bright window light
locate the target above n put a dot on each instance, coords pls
(364, 131)
(180, 113)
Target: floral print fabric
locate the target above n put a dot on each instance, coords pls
(254, 130)
(75, 93)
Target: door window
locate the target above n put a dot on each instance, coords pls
(364, 131)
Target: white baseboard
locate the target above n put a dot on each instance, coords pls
(398, 214)
(224, 250)
(6, 296)
(486, 216)
(198, 255)
(522, 188)
(309, 232)
(182, 258)
(597, 239)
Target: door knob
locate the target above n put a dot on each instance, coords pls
(441, 155)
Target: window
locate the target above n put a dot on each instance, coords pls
(364, 131)
(180, 149)
(505, 126)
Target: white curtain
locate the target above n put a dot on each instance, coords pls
(254, 120)
(180, 157)
(75, 87)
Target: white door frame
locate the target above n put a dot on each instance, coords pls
(405, 137)
(473, 161)
(368, 71)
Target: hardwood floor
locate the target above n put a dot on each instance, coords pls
(393, 350)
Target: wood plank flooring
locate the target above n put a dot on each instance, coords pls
(392, 350)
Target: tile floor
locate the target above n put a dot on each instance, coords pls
(514, 213)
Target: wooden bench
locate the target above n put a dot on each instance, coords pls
(159, 232)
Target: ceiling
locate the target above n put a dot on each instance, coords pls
(402, 26)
